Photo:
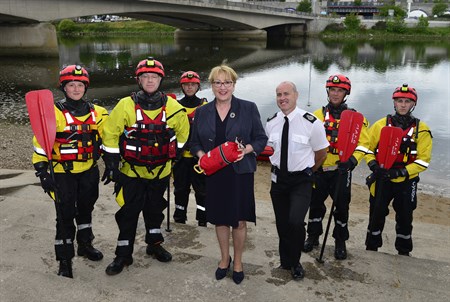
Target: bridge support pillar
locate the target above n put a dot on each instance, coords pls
(29, 40)
(241, 35)
(289, 30)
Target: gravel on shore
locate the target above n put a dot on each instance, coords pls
(16, 147)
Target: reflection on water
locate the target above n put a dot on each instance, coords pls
(375, 69)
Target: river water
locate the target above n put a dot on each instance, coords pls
(374, 68)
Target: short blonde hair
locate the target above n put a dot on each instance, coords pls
(227, 70)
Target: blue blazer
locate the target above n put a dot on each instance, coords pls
(244, 121)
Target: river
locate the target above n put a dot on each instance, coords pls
(374, 68)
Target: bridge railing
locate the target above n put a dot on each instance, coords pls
(255, 6)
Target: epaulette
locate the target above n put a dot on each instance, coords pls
(310, 117)
(272, 117)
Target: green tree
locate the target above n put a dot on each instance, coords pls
(398, 11)
(304, 6)
(67, 26)
(358, 2)
(397, 25)
(439, 9)
(352, 22)
(422, 25)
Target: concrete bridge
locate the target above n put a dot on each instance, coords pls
(19, 19)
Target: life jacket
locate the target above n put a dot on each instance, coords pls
(191, 111)
(331, 130)
(148, 142)
(408, 148)
(79, 141)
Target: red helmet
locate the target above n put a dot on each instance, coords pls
(73, 73)
(150, 65)
(405, 92)
(339, 80)
(190, 77)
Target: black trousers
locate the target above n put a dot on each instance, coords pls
(77, 193)
(140, 195)
(183, 177)
(404, 196)
(291, 196)
(325, 184)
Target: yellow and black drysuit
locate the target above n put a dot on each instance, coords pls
(184, 174)
(399, 182)
(144, 132)
(326, 177)
(79, 126)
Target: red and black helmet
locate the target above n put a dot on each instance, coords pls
(73, 73)
(339, 80)
(190, 77)
(150, 65)
(405, 92)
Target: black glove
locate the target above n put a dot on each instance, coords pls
(348, 165)
(394, 173)
(112, 172)
(378, 172)
(47, 182)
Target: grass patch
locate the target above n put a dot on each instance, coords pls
(70, 28)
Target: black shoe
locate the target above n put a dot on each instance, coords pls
(202, 223)
(88, 251)
(297, 272)
(340, 250)
(370, 248)
(158, 252)
(65, 268)
(404, 253)
(238, 277)
(117, 265)
(285, 267)
(179, 220)
(222, 272)
(310, 243)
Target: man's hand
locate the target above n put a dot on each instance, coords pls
(348, 165)
(394, 173)
(112, 172)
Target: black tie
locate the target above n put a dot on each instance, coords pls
(284, 147)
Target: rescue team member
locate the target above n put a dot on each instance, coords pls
(230, 198)
(400, 182)
(184, 174)
(143, 134)
(338, 88)
(299, 143)
(79, 126)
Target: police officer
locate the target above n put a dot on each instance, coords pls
(400, 181)
(299, 143)
(183, 171)
(338, 89)
(79, 126)
(144, 132)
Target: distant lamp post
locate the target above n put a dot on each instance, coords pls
(409, 7)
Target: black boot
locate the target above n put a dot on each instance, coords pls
(65, 268)
(310, 243)
(88, 251)
(340, 250)
(158, 252)
(118, 264)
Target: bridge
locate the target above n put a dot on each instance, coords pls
(19, 17)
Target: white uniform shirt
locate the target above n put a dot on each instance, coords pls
(306, 135)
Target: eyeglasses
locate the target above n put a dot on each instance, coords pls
(226, 84)
(149, 76)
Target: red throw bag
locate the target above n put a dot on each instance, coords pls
(218, 158)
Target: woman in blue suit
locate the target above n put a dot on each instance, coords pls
(230, 200)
